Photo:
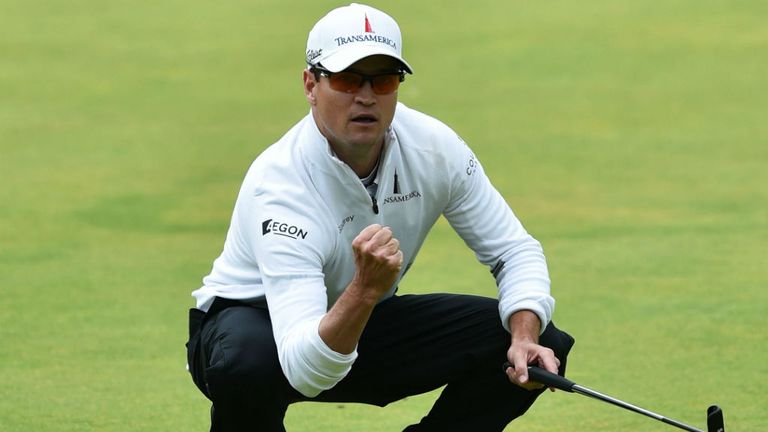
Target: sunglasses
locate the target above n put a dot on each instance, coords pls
(350, 82)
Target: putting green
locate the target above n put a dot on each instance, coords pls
(629, 137)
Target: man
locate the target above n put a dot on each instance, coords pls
(302, 305)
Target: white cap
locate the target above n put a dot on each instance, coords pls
(350, 33)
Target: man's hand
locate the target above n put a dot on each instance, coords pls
(378, 261)
(525, 350)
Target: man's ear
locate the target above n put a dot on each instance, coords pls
(309, 86)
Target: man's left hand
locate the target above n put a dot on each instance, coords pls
(524, 353)
(525, 350)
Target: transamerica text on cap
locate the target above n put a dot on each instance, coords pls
(365, 38)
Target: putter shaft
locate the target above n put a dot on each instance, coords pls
(537, 374)
(605, 398)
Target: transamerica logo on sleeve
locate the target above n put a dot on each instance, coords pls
(270, 226)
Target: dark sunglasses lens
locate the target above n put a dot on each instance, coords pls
(350, 82)
(385, 84)
(346, 82)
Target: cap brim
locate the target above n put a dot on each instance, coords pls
(341, 59)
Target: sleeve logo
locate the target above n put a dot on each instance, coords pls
(270, 226)
(472, 164)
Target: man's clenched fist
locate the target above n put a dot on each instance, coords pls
(378, 259)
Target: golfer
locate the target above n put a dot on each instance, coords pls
(304, 304)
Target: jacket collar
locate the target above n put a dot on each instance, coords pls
(318, 154)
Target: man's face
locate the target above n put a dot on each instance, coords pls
(353, 121)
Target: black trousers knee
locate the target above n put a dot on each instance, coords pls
(412, 344)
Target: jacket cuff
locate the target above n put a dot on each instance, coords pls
(316, 367)
(543, 307)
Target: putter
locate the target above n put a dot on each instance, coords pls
(542, 376)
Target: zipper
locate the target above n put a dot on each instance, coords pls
(375, 205)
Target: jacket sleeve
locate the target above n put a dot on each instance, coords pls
(290, 250)
(486, 223)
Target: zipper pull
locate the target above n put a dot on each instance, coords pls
(375, 205)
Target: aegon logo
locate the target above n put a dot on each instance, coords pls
(282, 229)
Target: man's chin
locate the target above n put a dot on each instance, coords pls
(365, 138)
(364, 128)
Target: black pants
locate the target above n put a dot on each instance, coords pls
(412, 344)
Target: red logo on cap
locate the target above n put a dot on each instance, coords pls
(368, 28)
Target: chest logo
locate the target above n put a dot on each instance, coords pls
(345, 221)
(401, 198)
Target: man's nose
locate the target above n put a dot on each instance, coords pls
(365, 94)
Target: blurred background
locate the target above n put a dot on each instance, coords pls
(629, 137)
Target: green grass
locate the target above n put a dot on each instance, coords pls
(630, 138)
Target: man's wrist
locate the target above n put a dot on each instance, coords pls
(362, 295)
(524, 326)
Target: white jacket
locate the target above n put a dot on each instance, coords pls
(300, 207)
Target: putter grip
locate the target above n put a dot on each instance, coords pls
(543, 376)
(549, 379)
